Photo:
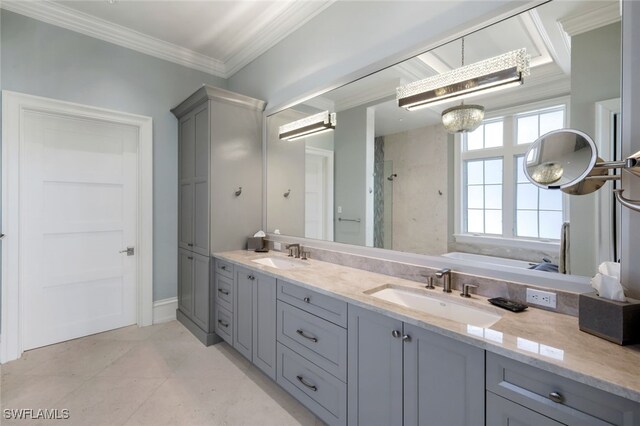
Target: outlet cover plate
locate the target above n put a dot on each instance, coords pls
(541, 298)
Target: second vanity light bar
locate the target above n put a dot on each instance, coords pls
(499, 72)
(312, 125)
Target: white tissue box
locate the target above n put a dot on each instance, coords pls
(618, 322)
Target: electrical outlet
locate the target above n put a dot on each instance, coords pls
(541, 298)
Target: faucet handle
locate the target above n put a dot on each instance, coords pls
(304, 255)
(466, 288)
(430, 285)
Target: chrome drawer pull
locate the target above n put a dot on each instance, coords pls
(307, 300)
(312, 387)
(313, 339)
(225, 292)
(189, 244)
(396, 334)
(224, 268)
(406, 338)
(223, 323)
(556, 397)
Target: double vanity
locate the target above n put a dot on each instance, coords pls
(357, 347)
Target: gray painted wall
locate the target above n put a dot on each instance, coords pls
(353, 38)
(631, 143)
(44, 60)
(350, 138)
(597, 55)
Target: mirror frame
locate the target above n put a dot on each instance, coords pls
(570, 283)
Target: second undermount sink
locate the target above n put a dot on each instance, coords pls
(437, 306)
(280, 263)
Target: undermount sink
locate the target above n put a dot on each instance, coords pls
(437, 306)
(280, 263)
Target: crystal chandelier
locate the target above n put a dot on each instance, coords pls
(462, 118)
(500, 72)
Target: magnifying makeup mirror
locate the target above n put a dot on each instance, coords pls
(568, 160)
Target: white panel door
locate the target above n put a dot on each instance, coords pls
(314, 197)
(78, 211)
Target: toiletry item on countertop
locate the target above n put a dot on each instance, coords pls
(256, 242)
(607, 312)
(607, 282)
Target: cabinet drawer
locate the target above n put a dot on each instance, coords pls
(224, 324)
(318, 340)
(502, 412)
(224, 268)
(224, 292)
(325, 307)
(318, 390)
(561, 399)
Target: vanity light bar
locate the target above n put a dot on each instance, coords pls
(497, 73)
(314, 124)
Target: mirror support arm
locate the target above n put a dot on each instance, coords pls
(630, 204)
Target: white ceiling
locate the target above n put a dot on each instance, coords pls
(218, 37)
(544, 31)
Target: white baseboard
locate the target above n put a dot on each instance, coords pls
(165, 310)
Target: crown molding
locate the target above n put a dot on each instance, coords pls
(272, 31)
(66, 17)
(591, 20)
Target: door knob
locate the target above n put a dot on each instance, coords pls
(129, 250)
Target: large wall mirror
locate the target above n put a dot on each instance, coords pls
(380, 175)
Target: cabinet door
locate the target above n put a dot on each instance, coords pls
(201, 182)
(443, 380)
(375, 369)
(185, 215)
(264, 324)
(185, 282)
(201, 292)
(502, 412)
(243, 312)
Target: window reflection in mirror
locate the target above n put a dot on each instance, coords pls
(395, 179)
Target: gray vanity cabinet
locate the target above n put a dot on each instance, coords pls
(375, 369)
(254, 319)
(219, 151)
(194, 181)
(552, 396)
(194, 291)
(502, 412)
(442, 380)
(243, 312)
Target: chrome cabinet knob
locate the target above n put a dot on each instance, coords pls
(556, 397)
(396, 333)
(406, 338)
(307, 300)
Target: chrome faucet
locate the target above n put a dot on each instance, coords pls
(296, 246)
(445, 274)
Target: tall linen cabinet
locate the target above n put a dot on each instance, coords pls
(219, 195)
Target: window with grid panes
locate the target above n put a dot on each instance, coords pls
(497, 198)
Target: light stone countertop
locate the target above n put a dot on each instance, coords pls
(550, 341)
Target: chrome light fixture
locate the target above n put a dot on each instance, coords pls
(497, 73)
(312, 125)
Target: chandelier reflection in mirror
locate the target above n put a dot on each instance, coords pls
(312, 125)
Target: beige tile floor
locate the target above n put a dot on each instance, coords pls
(155, 375)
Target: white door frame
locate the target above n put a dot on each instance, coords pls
(14, 106)
(328, 215)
